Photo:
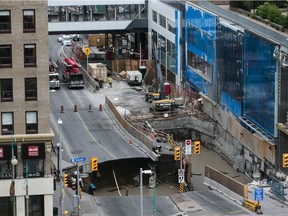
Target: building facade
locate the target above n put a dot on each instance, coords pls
(26, 136)
(238, 67)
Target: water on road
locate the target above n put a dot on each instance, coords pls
(207, 157)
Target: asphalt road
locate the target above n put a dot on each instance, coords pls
(86, 133)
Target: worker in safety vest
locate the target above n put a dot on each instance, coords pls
(110, 81)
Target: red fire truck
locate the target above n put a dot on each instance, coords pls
(72, 74)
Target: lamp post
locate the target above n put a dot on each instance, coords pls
(14, 162)
(60, 122)
(141, 188)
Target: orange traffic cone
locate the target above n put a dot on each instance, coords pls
(130, 141)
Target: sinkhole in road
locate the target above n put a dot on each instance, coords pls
(123, 175)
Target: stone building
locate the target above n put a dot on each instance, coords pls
(26, 183)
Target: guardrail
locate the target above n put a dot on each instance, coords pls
(225, 185)
(137, 134)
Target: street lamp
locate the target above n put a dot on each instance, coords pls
(60, 122)
(14, 162)
(141, 188)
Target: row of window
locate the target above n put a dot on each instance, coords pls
(29, 23)
(7, 122)
(6, 88)
(36, 205)
(29, 55)
(162, 21)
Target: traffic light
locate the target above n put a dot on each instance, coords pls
(177, 153)
(94, 164)
(285, 161)
(65, 180)
(196, 149)
(74, 185)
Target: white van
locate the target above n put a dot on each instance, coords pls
(66, 40)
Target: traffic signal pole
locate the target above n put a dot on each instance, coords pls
(78, 193)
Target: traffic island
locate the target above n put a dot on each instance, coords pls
(184, 203)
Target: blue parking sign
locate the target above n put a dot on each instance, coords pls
(258, 194)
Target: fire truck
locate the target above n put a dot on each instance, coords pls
(72, 75)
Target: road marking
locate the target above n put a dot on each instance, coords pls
(113, 156)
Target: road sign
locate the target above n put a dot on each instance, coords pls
(84, 175)
(87, 51)
(181, 172)
(74, 160)
(181, 179)
(258, 194)
(188, 146)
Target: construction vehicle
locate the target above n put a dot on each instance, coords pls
(54, 82)
(72, 75)
(162, 103)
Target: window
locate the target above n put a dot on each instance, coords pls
(5, 206)
(7, 123)
(36, 205)
(200, 66)
(31, 122)
(162, 21)
(171, 26)
(6, 90)
(5, 56)
(30, 55)
(29, 21)
(154, 16)
(5, 21)
(35, 168)
(30, 89)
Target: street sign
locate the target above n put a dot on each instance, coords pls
(84, 175)
(258, 194)
(74, 160)
(188, 146)
(87, 51)
(181, 179)
(181, 173)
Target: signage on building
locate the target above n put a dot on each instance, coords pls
(33, 151)
(1, 152)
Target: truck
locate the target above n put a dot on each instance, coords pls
(54, 82)
(72, 75)
(98, 72)
(134, 78)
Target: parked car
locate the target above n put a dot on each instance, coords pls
(75, 37)
(66, 40)
(59, 39)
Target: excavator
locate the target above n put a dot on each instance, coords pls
(161, 103)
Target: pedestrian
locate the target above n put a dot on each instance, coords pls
(110, 81)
